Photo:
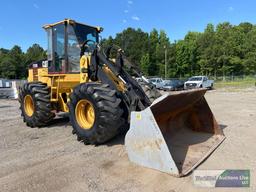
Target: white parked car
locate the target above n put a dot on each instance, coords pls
(198, 82)
(158, 82)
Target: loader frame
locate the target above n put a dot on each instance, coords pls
(172, 133)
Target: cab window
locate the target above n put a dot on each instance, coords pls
(73, 50)
(77, 35)
(57, 56)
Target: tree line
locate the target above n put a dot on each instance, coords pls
(220, 50)
(14, 62)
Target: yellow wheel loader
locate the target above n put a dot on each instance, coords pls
(172, 133)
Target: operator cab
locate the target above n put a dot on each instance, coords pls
(65, 40)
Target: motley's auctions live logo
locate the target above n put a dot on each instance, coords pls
(221, 178)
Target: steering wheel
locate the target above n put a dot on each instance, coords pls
(88, 46)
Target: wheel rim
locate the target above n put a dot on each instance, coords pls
(29, 105)
(85, 114)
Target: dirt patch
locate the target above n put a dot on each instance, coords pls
(51, 159)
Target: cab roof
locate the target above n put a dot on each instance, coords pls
(71, 21)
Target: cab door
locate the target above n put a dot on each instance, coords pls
(56, 49)
(59, 48)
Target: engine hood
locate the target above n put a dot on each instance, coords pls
(193, 82)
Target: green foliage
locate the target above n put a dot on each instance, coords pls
(222, 50)
(7, 68)
(14, 63)
(35, 53)
(144, 63)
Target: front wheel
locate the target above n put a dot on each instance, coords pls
(151, 92)
(95, 113)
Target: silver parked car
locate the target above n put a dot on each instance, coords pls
(158, 82)
(198, 82)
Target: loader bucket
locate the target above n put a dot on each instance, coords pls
(175, 134)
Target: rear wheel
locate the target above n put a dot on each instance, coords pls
(151, 92)
(95, 113)
(35, 104)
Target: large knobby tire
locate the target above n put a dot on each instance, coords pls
(151, 92)
(35, 105)
(103, 113)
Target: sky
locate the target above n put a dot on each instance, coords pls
(21, 21)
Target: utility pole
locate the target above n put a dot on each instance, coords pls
(165, 62)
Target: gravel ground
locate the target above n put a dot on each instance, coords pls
(51, 159)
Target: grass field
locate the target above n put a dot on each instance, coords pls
(240, 83)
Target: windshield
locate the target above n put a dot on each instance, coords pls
(152, 80)
(172, 82)
(77, 35)
(83, 33)
(195, 79)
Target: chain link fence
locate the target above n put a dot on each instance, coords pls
(235, 78)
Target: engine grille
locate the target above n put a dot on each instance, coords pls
(35, 74)
(191, 85)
